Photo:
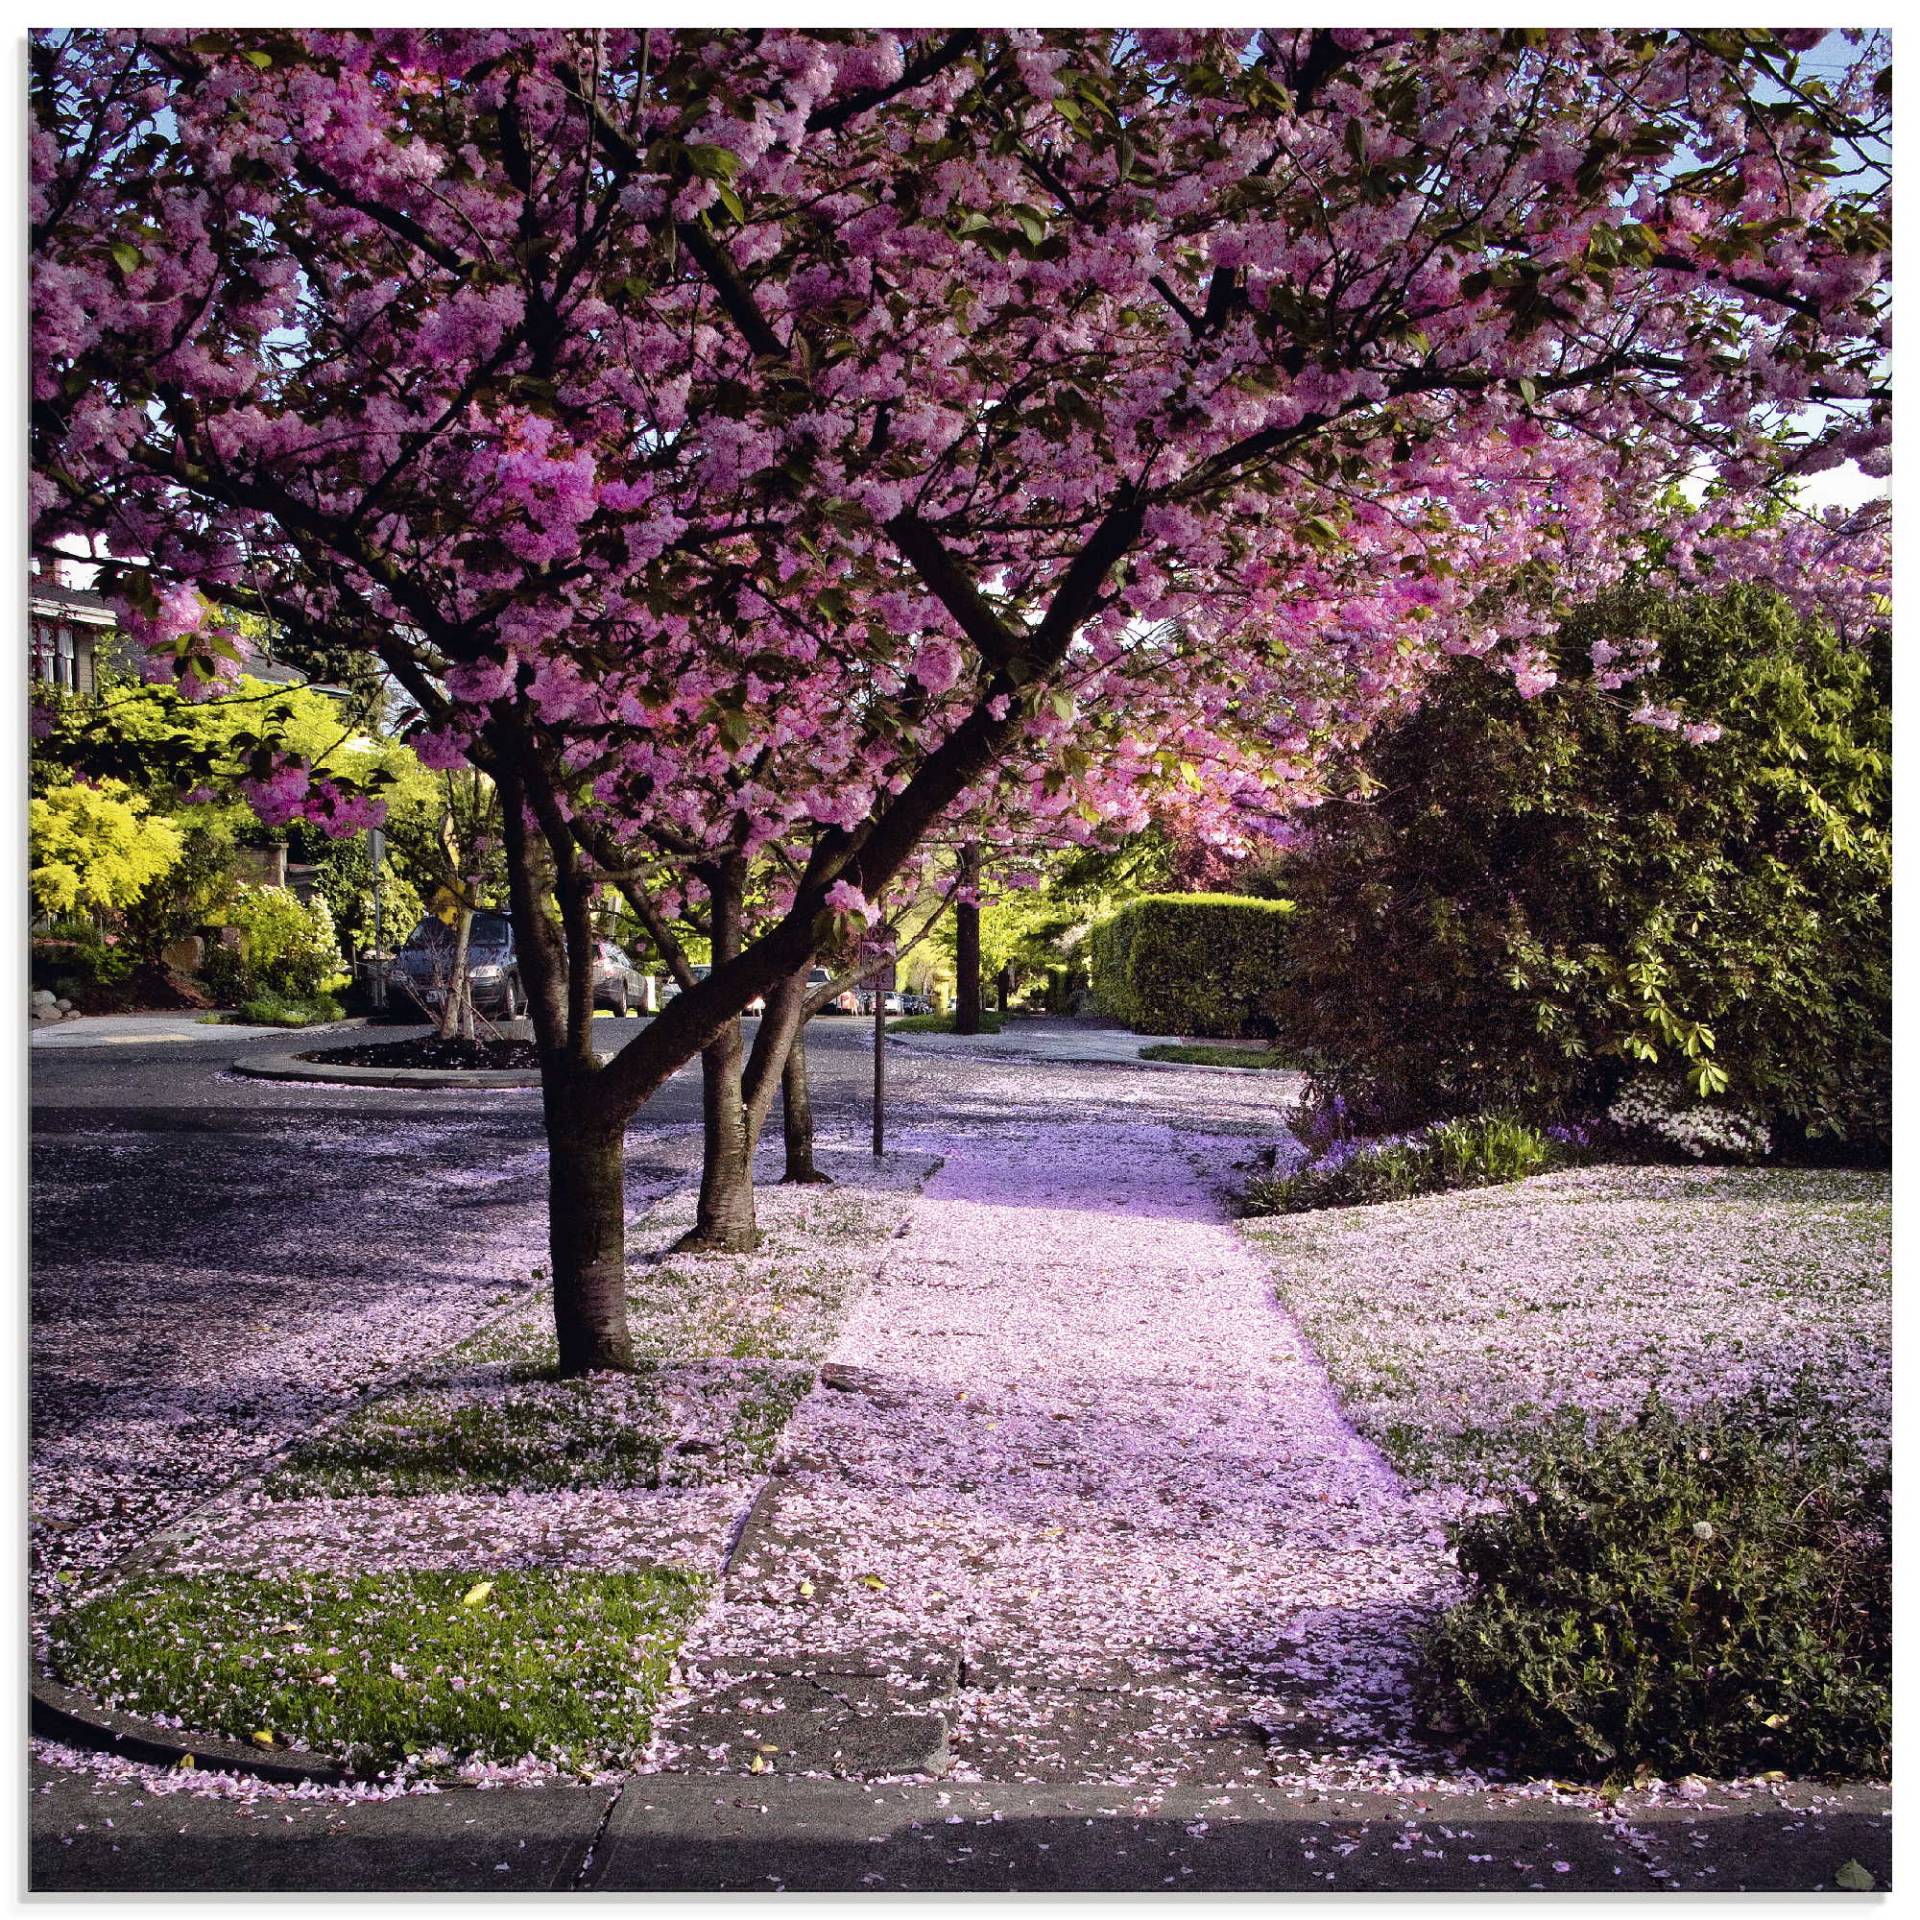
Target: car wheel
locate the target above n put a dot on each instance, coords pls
(516, 1000)
(620, 1007)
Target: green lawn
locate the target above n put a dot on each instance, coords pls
(938, 1023)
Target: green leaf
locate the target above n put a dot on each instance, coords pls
(713, 163)
(126, 256)
(255, 58)
(1854, 1878)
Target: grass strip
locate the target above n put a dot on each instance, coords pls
(1265, 1058)
(435, 1668)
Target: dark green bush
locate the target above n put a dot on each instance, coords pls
(1483, 1152)
(1211, 964)
(1705, 1593)
(1543, 897)
(78, 957)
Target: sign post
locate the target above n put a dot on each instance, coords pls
(879, 1071)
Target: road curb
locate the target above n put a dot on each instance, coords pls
(62, 1713)
(289, 1066)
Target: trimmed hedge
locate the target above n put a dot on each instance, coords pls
(1210, 964)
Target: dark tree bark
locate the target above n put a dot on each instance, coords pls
(587, 1234)
(796, 1107)
(966, 947)
(1003, 987)
(725, 1220)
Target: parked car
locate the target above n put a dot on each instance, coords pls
(670, 990)
(617, 982)
(423, 969)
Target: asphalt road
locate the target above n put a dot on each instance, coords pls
(164, 1085)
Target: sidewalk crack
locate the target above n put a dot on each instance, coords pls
(581, 1874)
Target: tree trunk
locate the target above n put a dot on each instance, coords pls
(587, 1233)
(451, 1020)
(1003, 986)
(796, 1107)
(966, 947)
(725, 1221)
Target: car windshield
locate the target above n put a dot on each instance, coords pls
(489, 930)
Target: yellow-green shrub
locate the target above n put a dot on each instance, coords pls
(94, 849)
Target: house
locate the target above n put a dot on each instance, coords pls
(70, 633)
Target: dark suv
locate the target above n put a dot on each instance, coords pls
(423, 968)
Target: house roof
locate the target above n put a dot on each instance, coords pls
(53, 599)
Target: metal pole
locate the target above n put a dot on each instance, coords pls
(377, 858)
(879, 1072)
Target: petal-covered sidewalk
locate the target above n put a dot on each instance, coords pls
(1077, 1496)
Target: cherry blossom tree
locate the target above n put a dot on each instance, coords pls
(757, 446)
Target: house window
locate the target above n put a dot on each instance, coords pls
(59, 657)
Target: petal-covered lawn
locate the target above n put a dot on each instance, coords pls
(1451, 1323)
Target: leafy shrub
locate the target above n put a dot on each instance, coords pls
(270, 1009)
(344, 877)
(1705, 1593)
(1483, 1152)
(79, 956)
(196, 891)
(94, 849)
(287, 947)
(1211, 964)
(1545, 897)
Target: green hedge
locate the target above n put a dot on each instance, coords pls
(1193, 963)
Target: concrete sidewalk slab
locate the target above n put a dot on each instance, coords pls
(157, 1029)
(1075, 1043)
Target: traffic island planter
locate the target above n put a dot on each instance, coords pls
(290, 1066)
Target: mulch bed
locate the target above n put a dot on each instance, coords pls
(436, 1055)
